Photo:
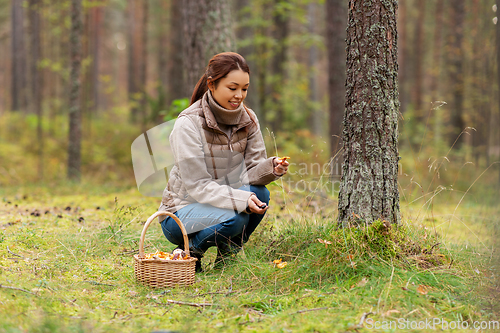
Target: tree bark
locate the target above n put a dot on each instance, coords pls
(436, 69)
(369, 184)
(176, 82)
(336, 22)
(498, 70)
(19, 80)
(314, 117)
(457, 123)
(403, 54)
(419, 55)
(75, 115)
(36, 77)
(207, 31)
(281, 22)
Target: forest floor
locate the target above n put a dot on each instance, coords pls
(66, 266)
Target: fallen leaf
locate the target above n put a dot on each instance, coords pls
(323, 241)
(421, 289)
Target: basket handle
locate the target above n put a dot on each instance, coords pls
(146, 226)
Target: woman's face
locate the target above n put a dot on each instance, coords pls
(231, 90)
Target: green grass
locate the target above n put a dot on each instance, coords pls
(73, 267)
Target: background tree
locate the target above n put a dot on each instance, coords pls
(75, 111)
(336, 18)
(36, 76)
(369, 185)
(19, 80)
(208, 30)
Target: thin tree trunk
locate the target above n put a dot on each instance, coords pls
(457, 123)
(281, 22)
(419, 55)
(312, 60)
(336, 22)
(97, 19)
(133, 58)
(144, 61)
(403, 54)
(75, 115)
(19, 80)
(36, 77)
(436, 69)
(176, 82)
(369, 184)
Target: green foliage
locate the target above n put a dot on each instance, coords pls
(175, 108)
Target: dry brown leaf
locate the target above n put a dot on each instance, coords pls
(421, 289)
(324, 241)
(389, 312)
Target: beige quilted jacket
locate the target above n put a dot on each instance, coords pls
(211, 165)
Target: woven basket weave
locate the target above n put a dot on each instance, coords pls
(160, 273)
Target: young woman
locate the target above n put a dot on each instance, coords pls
(217, 185)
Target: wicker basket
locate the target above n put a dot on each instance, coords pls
(160, 273)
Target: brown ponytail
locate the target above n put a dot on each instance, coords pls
(218, 67)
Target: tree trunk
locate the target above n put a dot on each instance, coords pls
(312, 60)
(336, 21)
(281, 19)
(436, 69)
(176, 82)
(36, 77)
(457, 123)
(207, 31)
(144, 61)
(403, 54)
(75, 115)
(419, 55)
(19, 80)
(97, 23)
(369, 184)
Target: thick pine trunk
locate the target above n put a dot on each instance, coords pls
(75, 114)
(336, 21)
(207, 31)
(369, 185)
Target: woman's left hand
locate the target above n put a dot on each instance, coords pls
(280, 166)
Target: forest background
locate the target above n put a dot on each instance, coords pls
(137, 69)
(138, 63)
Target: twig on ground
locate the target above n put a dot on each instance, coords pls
(15, 288)
(308, 310)
(363, 318)
(15, 254)
(198, 305)
(99, 283)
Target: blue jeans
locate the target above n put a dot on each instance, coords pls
(227, 226)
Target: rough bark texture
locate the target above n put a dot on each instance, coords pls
(457, 8)
(369, 185)
(36, 77)
(19, 81)
(75, 114)
(207, 31)
(336, 21)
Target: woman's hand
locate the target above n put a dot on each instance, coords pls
(255, 205)
(280, 166)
